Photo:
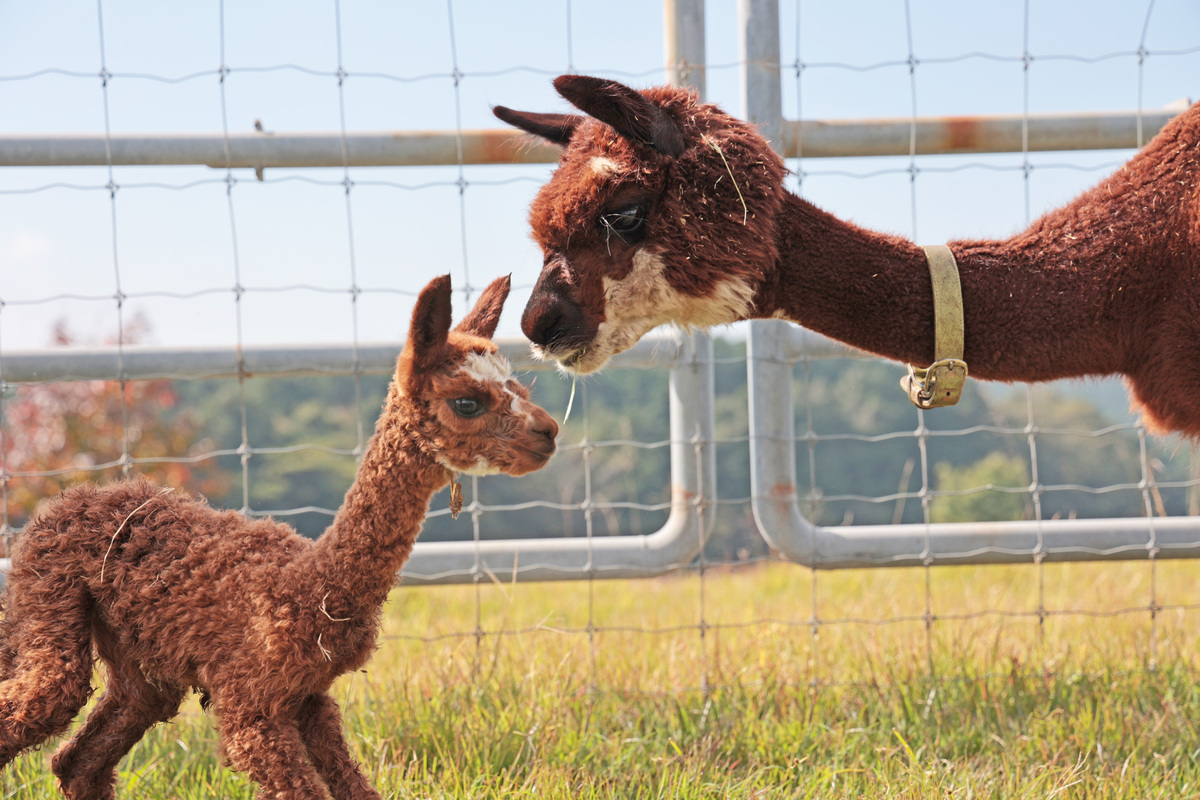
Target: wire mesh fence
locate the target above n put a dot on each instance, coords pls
(239, 260)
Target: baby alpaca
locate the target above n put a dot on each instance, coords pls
(175, 595)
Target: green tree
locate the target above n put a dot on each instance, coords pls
(981, 484)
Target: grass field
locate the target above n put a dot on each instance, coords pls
(610, 690)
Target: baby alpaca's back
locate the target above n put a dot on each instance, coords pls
(160, 566)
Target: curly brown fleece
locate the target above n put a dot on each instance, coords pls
(1107, 284)
(177, 596)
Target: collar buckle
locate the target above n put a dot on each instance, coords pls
(938, 385)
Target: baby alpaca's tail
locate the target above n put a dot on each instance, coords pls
(45, 656)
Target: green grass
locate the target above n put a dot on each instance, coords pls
(597, 691)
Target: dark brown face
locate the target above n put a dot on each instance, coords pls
(595, 221)
(660, 211)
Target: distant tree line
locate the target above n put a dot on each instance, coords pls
(304, 432)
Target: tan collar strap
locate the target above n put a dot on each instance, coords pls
(941, 383)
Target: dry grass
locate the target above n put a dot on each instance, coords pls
(688, 688)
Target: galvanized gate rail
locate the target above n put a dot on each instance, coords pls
(772, 349)
(692, 478)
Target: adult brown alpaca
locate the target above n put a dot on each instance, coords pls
(664, 209)
(175, 595)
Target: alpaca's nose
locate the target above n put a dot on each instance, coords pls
(545, 430)
(542, 321)
(553, 321)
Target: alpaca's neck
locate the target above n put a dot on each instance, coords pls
(1033, 310)
(356, 560)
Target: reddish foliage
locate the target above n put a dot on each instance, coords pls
(58, 434)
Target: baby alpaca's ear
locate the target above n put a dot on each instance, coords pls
(430, 324)
(485, 316)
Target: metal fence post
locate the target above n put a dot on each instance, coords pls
(768, 371)
(762, 93)
(683, 28)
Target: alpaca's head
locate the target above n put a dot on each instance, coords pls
(662, 209)
(470, 413)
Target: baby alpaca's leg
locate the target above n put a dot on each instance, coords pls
(48, 661)
(85, 766)
(321, 729)
(270, 751)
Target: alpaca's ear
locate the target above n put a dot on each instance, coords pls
(430, 324)
(485, 316)
(626, 109)
(556, 128)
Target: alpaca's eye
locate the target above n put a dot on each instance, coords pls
(467, 407)
(629, 223)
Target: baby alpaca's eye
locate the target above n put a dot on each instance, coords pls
(467, 407)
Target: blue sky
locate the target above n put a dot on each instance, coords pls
(175, 247)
